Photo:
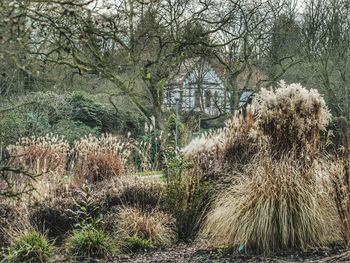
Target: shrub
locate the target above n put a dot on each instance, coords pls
(101, 158)
(275, 206)
(141, 194)
(85, 110)
(155, 226)
(187, 197)
(13, 127)
(12, 219)
(89, 243)
(29, 247)
(73, 130)
(135, 243)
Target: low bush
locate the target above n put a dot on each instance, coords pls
(143, 195)
(155, 226)
(13, 127)
(187, 197)
(30, 247)
(89, 243)
(12, 219)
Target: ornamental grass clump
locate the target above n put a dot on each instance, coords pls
(101, 158)
(274, 207)
(227, 150)
(292, 118)
(41, 154)
(42, 158)
(89, 243)
(340, 176)
(277, 203)
(30, 247)
(155, 226)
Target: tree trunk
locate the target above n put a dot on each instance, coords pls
(232, 85)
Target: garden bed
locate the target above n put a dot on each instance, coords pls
(193, 253)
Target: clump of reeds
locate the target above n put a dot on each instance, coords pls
(101, 158)
(340, 176)
(277, 203)
(240, 138)
(40, 154)
(39, 164)
(226, 150)
(156, 226)
(275, 206)
(291, 118)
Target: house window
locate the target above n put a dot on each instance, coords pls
(207, 98)
(197, 98)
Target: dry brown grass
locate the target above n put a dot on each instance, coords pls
(340, 176)
(45, 158)
(40, 154)
(280, 201)
(156, 226)
(291, 118)
(273, 207)
(101, 158)
(224, 151)
(13, 219)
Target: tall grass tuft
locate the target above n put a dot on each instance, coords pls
(291, 117)
(275, 206)
(30, 247)
(156, 226)
(42, 157)
(340, 176)
(277, 203)
(40, 154)
(100, 158)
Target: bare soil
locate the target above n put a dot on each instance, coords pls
(193, 253)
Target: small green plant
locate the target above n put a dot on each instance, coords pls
(87, 215)
(89, 243)
(186, 196)
(29, 247)
(135, 243)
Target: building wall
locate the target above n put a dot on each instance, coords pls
(201, 90)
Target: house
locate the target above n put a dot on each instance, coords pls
(199, 86)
